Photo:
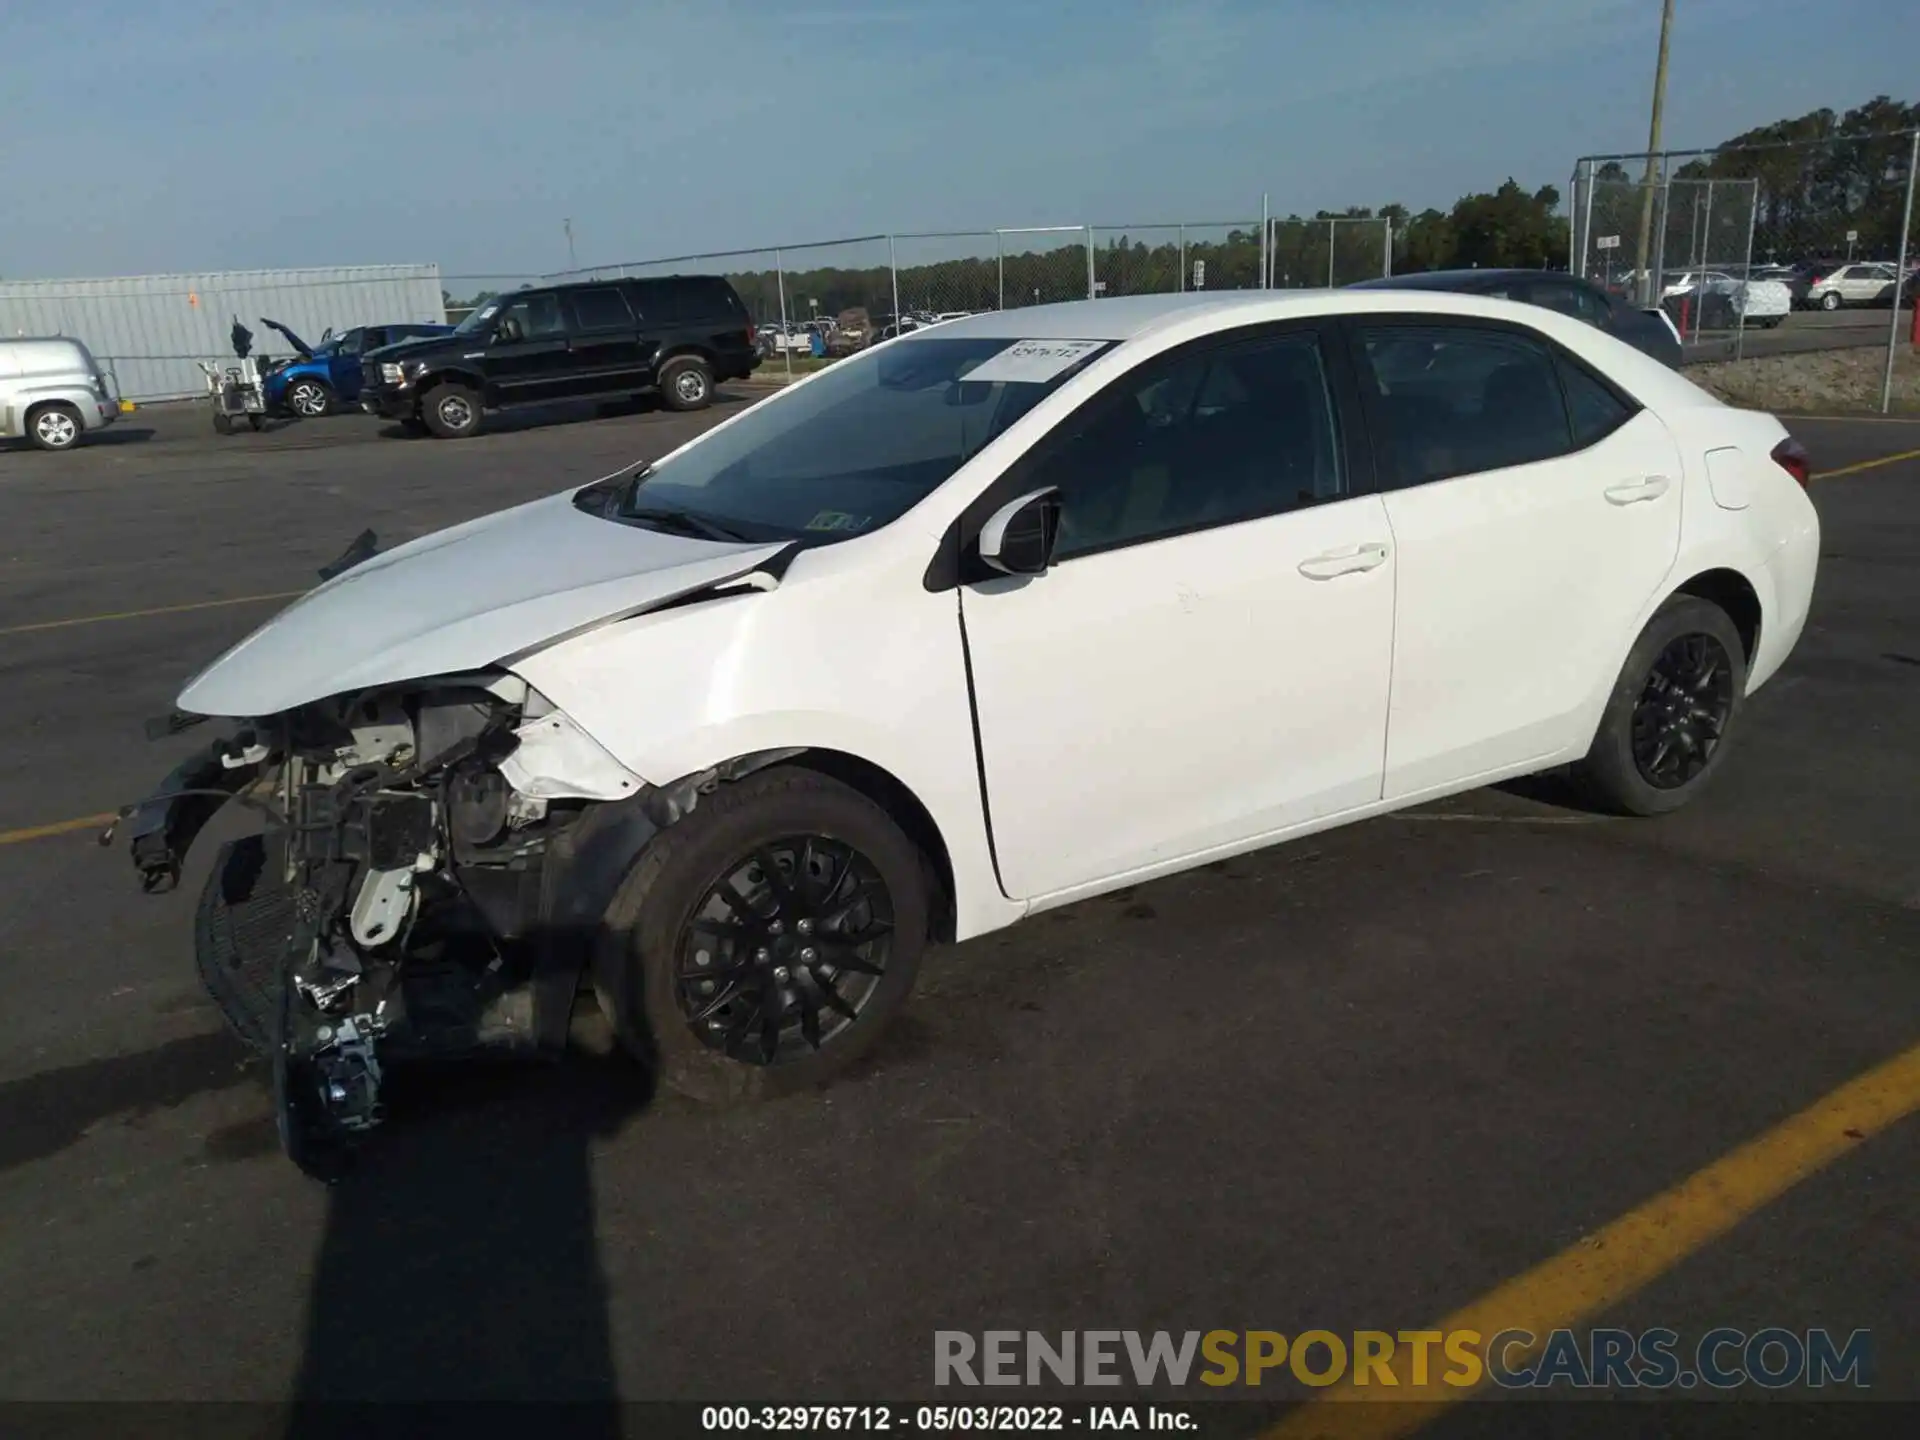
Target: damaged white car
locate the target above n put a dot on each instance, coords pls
(985, 620)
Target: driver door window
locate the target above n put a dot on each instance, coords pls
(536, 317)
(1213, 437)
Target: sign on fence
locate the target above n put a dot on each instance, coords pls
(1607, 242)
(1199, 274)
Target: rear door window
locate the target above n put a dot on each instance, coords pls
(1458, 399)
(599, 308)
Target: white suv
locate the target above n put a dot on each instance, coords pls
(53, 392)
(1861, 283)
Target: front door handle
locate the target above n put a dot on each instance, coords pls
(1348, 561)
(1633, 491)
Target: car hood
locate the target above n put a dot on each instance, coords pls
(292, 339)
(460, 600)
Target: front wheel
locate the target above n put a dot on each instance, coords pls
(451, 412)
(1665, 728)
(686, 383)
(310, 399)
(761, 945)
(1830, 300)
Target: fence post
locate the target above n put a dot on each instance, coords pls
(1900, 277)
(893, 273)
(1586, 221)
(1091, 292)
(1266, 260)
(1183, 257)
(1657, 269)
(1000, 249)
(1386, 245)
(1333, 244)
(786, 340)
(1746, 275)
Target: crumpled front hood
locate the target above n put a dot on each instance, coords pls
(459, 600)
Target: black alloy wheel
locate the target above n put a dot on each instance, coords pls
(1682, 711)
(784, 951)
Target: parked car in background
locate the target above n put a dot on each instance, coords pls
(1864, 282)
(1648, 331)
(730, 739)
(53, 391)
(1717, 300)
(325, 378)
(677, 336)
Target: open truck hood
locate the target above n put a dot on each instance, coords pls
(461, 600)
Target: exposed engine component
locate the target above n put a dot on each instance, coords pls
(385, 915)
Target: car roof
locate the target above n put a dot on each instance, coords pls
(1455, 279)
(1132, 317)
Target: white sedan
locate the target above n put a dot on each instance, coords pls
(980, 622)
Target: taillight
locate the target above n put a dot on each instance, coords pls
(1791, 456)
(753, 335)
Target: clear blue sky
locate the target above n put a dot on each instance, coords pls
(160, 135)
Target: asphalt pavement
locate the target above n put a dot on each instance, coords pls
(1359, 1081)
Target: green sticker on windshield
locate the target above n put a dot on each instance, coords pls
(837, 520)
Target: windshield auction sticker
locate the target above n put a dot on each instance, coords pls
(1033, 362)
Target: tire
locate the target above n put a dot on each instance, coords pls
(1647, 705)
(55, 427)
(1831, 300)
(450, 412)
(645, 974)
(686, 383)
(311, 399)
(256, 422)
(222, 423)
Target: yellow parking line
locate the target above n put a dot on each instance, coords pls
(59, 827)
(1867, 465)
(1615, 1262)
(142, 614)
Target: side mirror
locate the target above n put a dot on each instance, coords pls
(1019, 537)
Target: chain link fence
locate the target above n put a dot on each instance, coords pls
(811, 302)
(1330, 251)
(1752, 250)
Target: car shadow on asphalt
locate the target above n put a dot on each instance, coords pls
(93, 440)
(460, 1262)
(571, 412)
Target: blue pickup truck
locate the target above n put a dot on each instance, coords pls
(322, 378)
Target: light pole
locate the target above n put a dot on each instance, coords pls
(1649, 284)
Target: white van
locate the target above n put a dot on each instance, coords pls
(52, 392)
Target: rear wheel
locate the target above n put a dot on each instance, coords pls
(686, 383)
(1830, 300)
(55, 427)
(1666, 724)
(451, 412)
(761, 945)
(222, 423)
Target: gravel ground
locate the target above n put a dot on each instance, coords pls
(1827, 381)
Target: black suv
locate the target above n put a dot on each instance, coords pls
(680, 335)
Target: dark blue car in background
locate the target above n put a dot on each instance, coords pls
(326, 376)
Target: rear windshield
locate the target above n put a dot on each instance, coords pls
(861, 444)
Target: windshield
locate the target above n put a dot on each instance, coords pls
(863, 443)
(479, 318)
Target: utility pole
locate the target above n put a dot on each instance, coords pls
(1649, 287)
(573, 260)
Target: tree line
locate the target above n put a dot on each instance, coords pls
(1818, 176)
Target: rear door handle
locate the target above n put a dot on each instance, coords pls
(1633, 491)
(1348, 561)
